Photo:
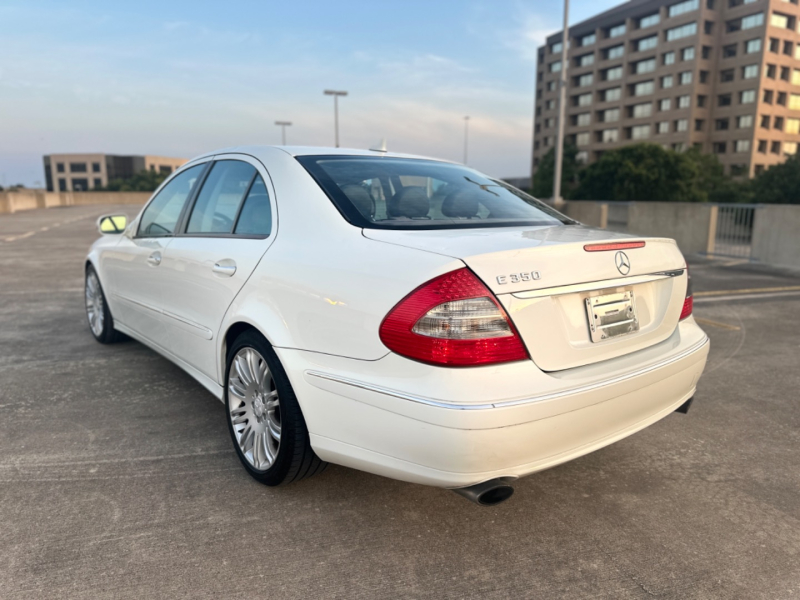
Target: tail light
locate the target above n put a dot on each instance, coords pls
(452, 320)
(688, 302)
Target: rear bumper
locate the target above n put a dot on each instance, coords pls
(474, 424)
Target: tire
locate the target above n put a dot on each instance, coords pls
(101, 323)
(261, 404)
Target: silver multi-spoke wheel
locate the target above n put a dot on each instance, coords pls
(254, 408)
(95, 309)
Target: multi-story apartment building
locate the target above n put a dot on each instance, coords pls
(82, 172)
(722, 75)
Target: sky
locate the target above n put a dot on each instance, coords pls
(179, 78)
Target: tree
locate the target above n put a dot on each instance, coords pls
(144, 181)
(712, 182)
(641, 172)
(546, 171)
(778, 184)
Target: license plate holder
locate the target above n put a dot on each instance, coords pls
(611, 315)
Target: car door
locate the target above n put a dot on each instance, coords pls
(133, 265)
(224, 235)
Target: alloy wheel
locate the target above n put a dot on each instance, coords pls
(95, 309)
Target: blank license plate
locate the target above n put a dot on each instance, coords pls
(611, 315)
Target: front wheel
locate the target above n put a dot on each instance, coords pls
(264, 419)
(100, 320)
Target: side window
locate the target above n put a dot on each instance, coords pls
(256, 215)
(218, 202)
(161, 215)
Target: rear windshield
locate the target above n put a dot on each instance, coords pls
(403, 193)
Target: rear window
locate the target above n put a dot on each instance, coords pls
(402, 193)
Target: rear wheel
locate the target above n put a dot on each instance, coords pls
(100, 320)
(264, 419)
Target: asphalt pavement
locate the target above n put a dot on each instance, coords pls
(118, 478)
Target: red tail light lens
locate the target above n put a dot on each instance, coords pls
(613, 246)
(453, 320)
(688, 303)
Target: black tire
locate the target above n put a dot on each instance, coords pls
(107, 334)
(295, 460)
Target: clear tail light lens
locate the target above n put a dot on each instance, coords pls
(688, 303)
(452, 320)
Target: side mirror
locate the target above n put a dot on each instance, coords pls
(111, 224)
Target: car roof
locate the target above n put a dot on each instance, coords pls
(257, 151)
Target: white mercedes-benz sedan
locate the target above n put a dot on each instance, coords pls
(401, 315)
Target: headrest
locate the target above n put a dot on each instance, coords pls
(361, 198)
(460, 204)
(411, 202)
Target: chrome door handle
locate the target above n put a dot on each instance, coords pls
(154, 259)
(225, 267)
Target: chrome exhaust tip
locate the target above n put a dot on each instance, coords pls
(488, 493)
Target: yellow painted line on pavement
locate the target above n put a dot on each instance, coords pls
(787, 288)
(711, 323)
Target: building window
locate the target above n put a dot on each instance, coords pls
(662, 127)
(551, 86)
(677, 33)
(768, 96)
(612, 94)
(667, 81)
(741, 146)
(683, 7)
(792, 126)
(611, 115)
(765, 120)
(77, 168)
(584, 99)
(614, 51)
(724, 100)
(613, 73)
(750, 72)
(582, 139)
(555, 67)
(721, 124)
(790, 148)
(775, 148)
(640, 132)
(719, 147)
(755, 20)
(646, 43)
(80, 185)
(669, 58)
(549, 122)
(704, 76)
(60, 167)
(582, 157)
(701, 100)
(752, 46)
(588, 40)
(797, 51)
(684, 101)
(585, 60)
(729, 51)
(609, 135)
(664, 104)
(794, 102)
(747, 97)
(781, 98)
(779, 123)
(644, 88)
(583, 119)
(649, 20)
(687, 53)
(727, 75)
(639, 111)
(781, 21)
(744, 121)
(679, 147)
(762, 146)
(584, 80)
(685, 78)
(771, 71)
(97, 183)
(550, 105)
(785, 73)
(62, 184)
(616, 31)
(95, 167)
(556, 48)
(682, 125)
(644, 66)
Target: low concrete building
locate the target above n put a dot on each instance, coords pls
(83, 172)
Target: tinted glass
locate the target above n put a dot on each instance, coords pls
(395, 193)
(218, 202)
(256, 215)
(161, 215)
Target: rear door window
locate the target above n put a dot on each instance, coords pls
(255, 218)
(218, 203)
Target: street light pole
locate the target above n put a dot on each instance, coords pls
(562, 108)
(283, 125)
(466, 137)
(336, 94)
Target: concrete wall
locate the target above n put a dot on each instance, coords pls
(16, 201)
(588, 212)
(776, 235)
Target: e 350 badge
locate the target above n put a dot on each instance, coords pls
(518, 277)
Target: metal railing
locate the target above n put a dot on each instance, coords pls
(734, 231)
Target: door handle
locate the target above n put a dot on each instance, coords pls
(154, 259)
(226, 267)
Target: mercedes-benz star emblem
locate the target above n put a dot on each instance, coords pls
(623, 262)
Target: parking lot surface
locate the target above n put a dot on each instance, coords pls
(118, 478)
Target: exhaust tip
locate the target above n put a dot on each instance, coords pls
(488, 493)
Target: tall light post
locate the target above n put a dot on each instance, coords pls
(562, 108)
(466, 137)
(283, 126)
(336, 94)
